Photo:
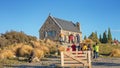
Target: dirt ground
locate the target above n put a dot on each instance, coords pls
(106, 63)
(96, 63)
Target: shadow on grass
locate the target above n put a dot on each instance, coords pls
(105, 64)
(105, 54)
(27, 66)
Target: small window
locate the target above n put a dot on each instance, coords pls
(51, 33)
(45, 34)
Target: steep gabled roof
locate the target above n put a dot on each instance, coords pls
(66, 25)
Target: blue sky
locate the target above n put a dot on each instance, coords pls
(29, 15)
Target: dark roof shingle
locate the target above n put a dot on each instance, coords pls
(67, 25)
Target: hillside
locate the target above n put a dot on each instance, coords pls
(17, 47)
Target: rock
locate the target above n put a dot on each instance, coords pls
(35, 59)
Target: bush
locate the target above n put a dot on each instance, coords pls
(24, 51)
(107, 49)
(6, 54)
(51, 45)
(3, 42)
(115, 53)
(39, 48)
(15, 37)
(38, 53)
(61, 48)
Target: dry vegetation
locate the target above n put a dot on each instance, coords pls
(24, 50)
(6, 54)
(110, 50)
(42, 48)
(61, 48)
(39, 48)
(115, 53)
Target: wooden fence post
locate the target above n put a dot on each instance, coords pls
(89, 59)
(62, 59)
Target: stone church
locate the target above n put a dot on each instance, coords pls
(53, 27)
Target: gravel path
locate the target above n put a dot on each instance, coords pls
(106, 63)
(99, 63)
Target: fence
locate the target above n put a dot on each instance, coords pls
(76, 59)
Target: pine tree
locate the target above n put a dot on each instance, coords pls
(109, 36)
(94, 37)
(96, 34)
(104, 40)
(85, 37)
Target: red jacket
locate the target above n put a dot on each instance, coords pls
(71, 37)
(73, 47)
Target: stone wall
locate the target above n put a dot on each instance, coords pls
(67, 33)
(49, 25)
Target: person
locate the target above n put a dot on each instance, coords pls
(89, 47)
(84, 48)
(79, 47)
(78, 38)
(71, 37)
(73, 47)
(61, 38)
(68, 48)
(96, 51)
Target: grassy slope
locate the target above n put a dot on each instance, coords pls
(106, 49)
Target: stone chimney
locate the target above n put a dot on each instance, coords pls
(78, 25)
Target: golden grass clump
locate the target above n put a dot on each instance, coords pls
(51, 45)
(61, 48)
(17, 46)
(41, 46)
(45, 49)
(50, 42)
(25, 50)
(35, 44)
(6, 54)
(38, 53)
(115, 53)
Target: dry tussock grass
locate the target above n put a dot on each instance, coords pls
(36, 59)
(38, 53)
(24, 50)
(88, 41)
(51, 45)
(61, 48)
(45, 49)
(40, 48)
(50, 42)
(16, 47)
(35, 44)
(115, 53)
(4, 54)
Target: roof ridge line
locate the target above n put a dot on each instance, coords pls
(64, 20)
(56, 22)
